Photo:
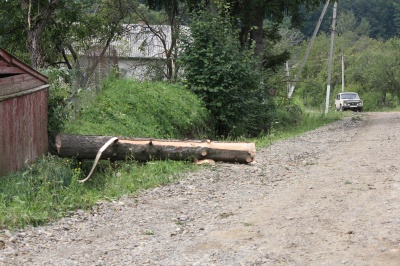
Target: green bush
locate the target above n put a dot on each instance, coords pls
(60, 102)
(371, 100)
(226, 77)
(312, 94)
(289, 113)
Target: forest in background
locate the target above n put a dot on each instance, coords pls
(383, 17)
(367, 35)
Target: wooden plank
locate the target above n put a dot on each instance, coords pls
(23, 130)
(14, 79)
(3, 63)
(10, 70)
(15, 84)
(17, 63)
(21, 93)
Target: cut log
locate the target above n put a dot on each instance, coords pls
(86, 147)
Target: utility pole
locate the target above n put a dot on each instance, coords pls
(296, 79)
(342, 72)
(328, 87)
(287, 78)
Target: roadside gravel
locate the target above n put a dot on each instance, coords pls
(328, 197)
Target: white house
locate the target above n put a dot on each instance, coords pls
(141, 51)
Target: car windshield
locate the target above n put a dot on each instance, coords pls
(350, 96)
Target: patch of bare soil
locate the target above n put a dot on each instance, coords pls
(328, 197)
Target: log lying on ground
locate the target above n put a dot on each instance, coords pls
(139, 149)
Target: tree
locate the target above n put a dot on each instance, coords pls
(172, 13)
(49, 28)
(249, 16)
(375, 68)
(397, 17)
(35, 27)
(350, 28)
(382, 16)
(225, 77)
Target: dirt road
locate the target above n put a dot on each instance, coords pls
(328, 197)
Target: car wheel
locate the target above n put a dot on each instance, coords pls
(360, 109)
(341, 108)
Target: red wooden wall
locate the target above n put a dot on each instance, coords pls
(23, 114)
(23, 130)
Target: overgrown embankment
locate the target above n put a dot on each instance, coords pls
(48, 189)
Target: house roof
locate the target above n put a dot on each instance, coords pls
(17, 78)
(12, 65)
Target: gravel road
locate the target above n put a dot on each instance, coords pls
(328, 197)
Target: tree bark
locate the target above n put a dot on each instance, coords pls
(257, 34)
(35, 29)
(86, 147)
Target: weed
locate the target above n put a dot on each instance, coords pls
(148, 232)
(226, 215)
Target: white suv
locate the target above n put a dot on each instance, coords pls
(348, 101)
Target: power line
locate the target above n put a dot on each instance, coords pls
(308, 49)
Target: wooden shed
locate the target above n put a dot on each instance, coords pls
(23, 114)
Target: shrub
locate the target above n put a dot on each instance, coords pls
(289, 112)
(225, 77)
(60, 102)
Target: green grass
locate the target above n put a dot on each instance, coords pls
(49, 189)
(310, 121)
(130, 108)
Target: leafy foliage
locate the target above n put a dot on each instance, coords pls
(61, 102)
(225, 77)
(289, 113)
(375, 69)
(371, 69)
(55, 27)
(382, 16)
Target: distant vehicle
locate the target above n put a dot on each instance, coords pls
(348, 101)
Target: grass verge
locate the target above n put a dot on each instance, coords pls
(310, 121)
(49, 189)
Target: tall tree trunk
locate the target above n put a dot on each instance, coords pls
(36, 24)
(257, 34)
(34, 46)
(252, 17)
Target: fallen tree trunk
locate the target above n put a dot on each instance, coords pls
(86, 147)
